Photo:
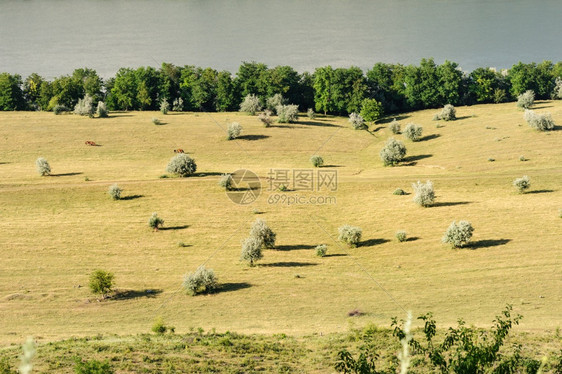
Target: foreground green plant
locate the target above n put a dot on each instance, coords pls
(201, 281)
(101, 282)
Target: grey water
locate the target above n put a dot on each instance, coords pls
(54, 37)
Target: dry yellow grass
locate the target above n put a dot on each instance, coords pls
(54, 231)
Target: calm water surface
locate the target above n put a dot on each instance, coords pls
(53, 37)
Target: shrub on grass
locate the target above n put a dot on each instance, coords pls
(177, 105)
(522, 158)
(321, 250)
(233, 131)
(155, 222)
(251, 104)
(274, 101)
(557, 91)
(92, 367)
(413, 132)
(526, 99)
(399, 191)
(101, 110)
(394, 126)
(448, 113)
(203, 280)
(371, 110)
(357, 121)
(182, 165)
(401, 236)
(164, 106)
(85, 106)
(317, 161)
(101, 282)
(251, 250)
(156, 121)
(263, 233)
(226, 181)
(265, 118)
(393, 152)
(458, 234)
(351, 235)
(522, 184)
(539, 121)
(287, 113)
(310, 113)
(43, 167)
(424, 195)
(58, 109)
(114, 191)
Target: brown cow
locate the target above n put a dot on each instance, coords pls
(89, 142)
(179, 150)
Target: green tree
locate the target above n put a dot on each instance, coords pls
(538, 78)
(227, 98)
(124, 90)
(322, 86)
(148, 83)
(204, 89)
(371, 110)
(32, 90)
(65, 91)
(385, 84)
(11, 95)
(450, 83)
(248, 79)
(91, 83)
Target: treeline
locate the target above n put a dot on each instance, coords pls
(340, 91)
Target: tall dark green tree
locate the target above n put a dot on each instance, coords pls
(91, 82)
(32, 90)
(450, 83)
(322, 85)
(124, 91)
(169, 82)
(148, 83)
(282, 80)
(385, 84)
(248, 79)
(228, 98)
(65, 91)
(204, 89)
(539, 78)
(11, 95)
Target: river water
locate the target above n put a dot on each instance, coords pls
(53, 37)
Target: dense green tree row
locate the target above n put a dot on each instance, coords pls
(339, 91)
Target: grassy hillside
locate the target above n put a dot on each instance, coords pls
(56, 230)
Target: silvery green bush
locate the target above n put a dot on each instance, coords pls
(539, 121)
(413, 132)
(58, 109)
(177, 105)
(317, 161)
(265, 118)
(233, 131)
(85, 106)
(114, 191)
(251, 250)
(201, 281)
(102, 110)
(164, 106)
(225, 181)
(321, 250)
(526, 99)
(182, 165)
(399, 191)
(522, 184)
(394, 127)
(448, 113)
(156, 121)
(287, 113)
(351, 235)
(263, 233)
(43, 167)
(310, 113)
(557, 91)
(458, 234)
(393, 152)
(357, 122)
(251, 104)
(155, 222)
(274, 101)
(424, 195)
(401, 236)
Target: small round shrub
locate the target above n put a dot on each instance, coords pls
(424, 195)
(251, 104)
(557, 91)
(43, 167)
(401, 236)
(399, 191)
(321, 250)
(92, 367)
(114, 191)
(251, 250)
(393, 152)
(177, 105)
(287, 113)
(155, 222)
(522, 184)
(226, 181)
(156, 121)
(164, 106)
(182, 165)
(203, 280)
(526, 99)
(357, 122)
(394, 126)
(101, 282)
(274, 101)
(59, 109)
(159, 327)
(85, 106)
(317, 161)
(448, 113)
(539, 121)
(261, 231)
(233, 131)
(458, 234)
(265, 118)
(310, 113)
(413, 132)
(522, 158)
(351, 235)
(371, 110)
(101, 110)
